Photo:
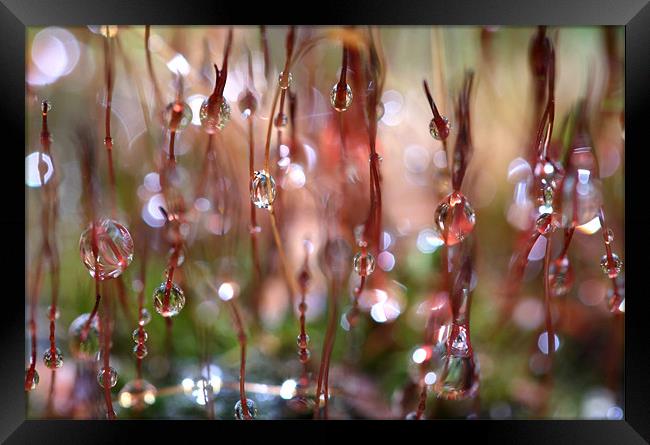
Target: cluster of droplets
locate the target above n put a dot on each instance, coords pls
(454, 218)
(114, 249)
(262, 189)
(548, 176)
(140, 336)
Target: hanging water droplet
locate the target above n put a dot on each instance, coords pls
(439, 128)
(168, 305)
(53, 360)
(137, 393)
(547, 177)
(114, 249)
(341, 98)
(364, 265)
(281, 120)
(136, 336)
(560, 276)
(177, 116)
(302, 341)
(459, 379)
(239, 409)
(262, 189)
(285, 81)
(112, 377)
(611, 266)
(214, 116)
(57, 313)
(84, 337)
(581, 189)
(460, 343)
(545, 223)
(609, 236)
(454, 218)
(140, 350)
(35, 378)
(145, 317)
(304, 355)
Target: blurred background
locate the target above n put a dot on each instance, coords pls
(374, 373)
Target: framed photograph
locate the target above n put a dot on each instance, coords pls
(377, 212)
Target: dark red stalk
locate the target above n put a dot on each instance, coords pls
(106, 358)
(108, 140)
(330, 335)
(241, 338)
(152, 74)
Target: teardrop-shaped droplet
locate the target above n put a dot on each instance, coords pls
(214, 116)
(340, 97)
(547, 177)
(459, 378)
(84, 337)
(581, 189)
(454, 218)
(285, 81)
(34, 378)
(439, 128)
(262, 189)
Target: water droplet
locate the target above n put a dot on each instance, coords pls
(380, 110)
(136, 336)
(581, 189)
(545, 223)
(459, 342)
(304, 355)
(145, 317)
(140, 350)
(175, 300)
(459, 379)
(560, 276)
(178, 115)
(281, 120)
(454, 218)
(114, 249)
(53, 361)
(364, 265)
(112, 377)
(239, 409)
(285, 81)
(247, 103)
(262, 189)
(302, 341)
(611, 266)
(340, 99)
(609, 236)
(35, 378)
(213, 118)
(547, 176)
(439, 128)
(137, 393)
(84, 345)
(57, 313)
(46, 106)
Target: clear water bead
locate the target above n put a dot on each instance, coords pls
(145, 317)
(459, 343)
(285, 81)
(560, 275)
(302, 341)
(137, 394)
(84, 345)
(547, 178)
(114, 249)
(364, 265)
(459, 379)
(213, 118)
(239, 409)
(176, 300)
(136, 336)
(341, 100)
(112, 377)
(582, 194)
(545, 223)
(51, 360)
(57, 313)
(140, 350)
(262, 189)
(35, 378)
(454, 218)
(175, 121)
(439, 130)
(609, 236)
(304, 355)
(611, 266)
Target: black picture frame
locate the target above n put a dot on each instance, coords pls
(16, 15)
